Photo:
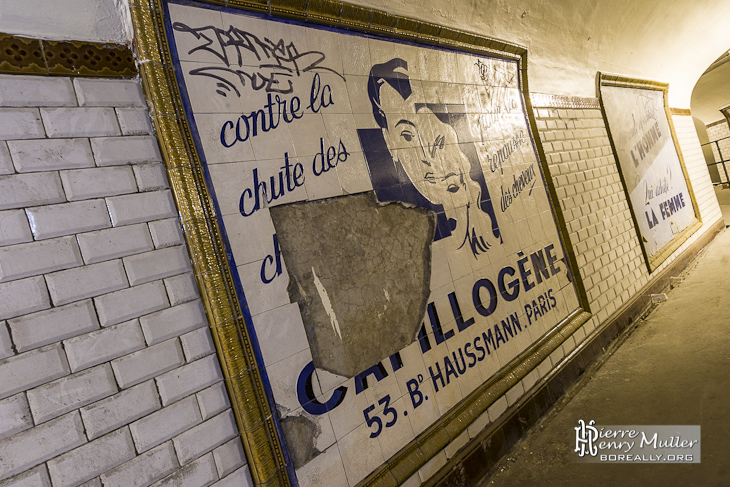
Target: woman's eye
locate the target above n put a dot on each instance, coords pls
(407, 136)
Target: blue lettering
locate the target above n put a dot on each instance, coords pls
(438, 376)
(460, 323)
(513, 285)
(477, 299)
(438, 333)
(306, 397)
(276, 258)
(415, 395)
(361, 379)
(264, 119)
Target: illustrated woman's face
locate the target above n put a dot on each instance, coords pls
(427, 149)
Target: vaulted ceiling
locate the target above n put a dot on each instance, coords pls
(672, 41)
(712, 91)
(568, 41)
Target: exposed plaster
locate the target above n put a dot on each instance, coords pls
(83, 20)
(361, 274)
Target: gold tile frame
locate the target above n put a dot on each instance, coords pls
(544, 100)
(605, 79)
(235, 351)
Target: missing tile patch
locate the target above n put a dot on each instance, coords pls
(301, 436)
(360, 273)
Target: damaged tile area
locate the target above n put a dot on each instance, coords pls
(360, 273)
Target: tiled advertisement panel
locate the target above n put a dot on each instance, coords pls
(652, 171)
(285, 114)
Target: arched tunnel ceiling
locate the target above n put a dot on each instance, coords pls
(712, 91)
(672, 41)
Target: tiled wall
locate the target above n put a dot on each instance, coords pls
(108, 374)
(595, 207)
(107, 369)
(719, 135)
(594, 204)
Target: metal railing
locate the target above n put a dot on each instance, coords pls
(723, 157)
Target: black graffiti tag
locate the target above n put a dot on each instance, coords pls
(261, 64)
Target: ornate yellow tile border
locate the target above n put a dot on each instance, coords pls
(23, 55)
(242, 373)
(721, 121)
(544, 100)
(685, 112)
(604, 79)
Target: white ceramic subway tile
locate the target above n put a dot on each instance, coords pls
(252, 237)
(205, 91)
(425, 413)
(216, 129)
(283, 377)
(80, 122)
(326, 42)
(6, 163)
(360, 454)
(134, 121)
(186, 39)
(50, 155)
(81, 184)
(166, 233)
(15, 415)
(234, 185)
(349, 415)
(398, 435)
(109, 93)
(114, 151)
(326, 184)
(280, 333)
(381, 51)
(33, 91)
(21, 123)
(249, 26)
(271, 144)
(14, 227)
(261, 296)
(354, 174)
(357, 89)
(42, 443)
(355, 53)
(324, 470)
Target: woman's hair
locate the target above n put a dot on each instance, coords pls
(395, 74)
(386, 73)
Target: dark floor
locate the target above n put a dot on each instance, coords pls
(674, 369)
